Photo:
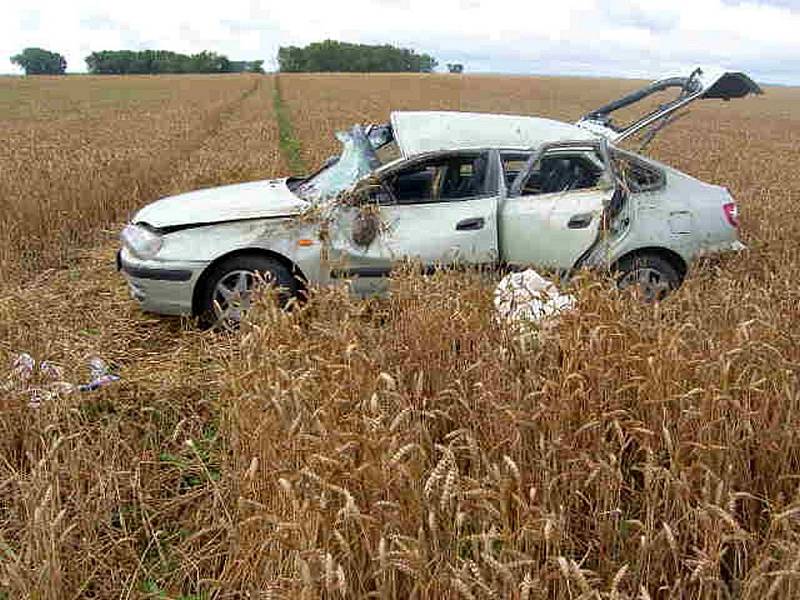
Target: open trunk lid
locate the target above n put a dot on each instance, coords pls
(702, 83)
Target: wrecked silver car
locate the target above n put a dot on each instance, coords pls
(443, 188)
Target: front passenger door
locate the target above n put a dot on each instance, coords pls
(440, 210)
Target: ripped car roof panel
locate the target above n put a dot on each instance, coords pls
(426, 131)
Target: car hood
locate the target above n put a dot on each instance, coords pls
(239, 202)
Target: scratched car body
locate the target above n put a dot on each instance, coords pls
(446, 187)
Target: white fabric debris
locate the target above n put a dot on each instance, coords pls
(527, 296)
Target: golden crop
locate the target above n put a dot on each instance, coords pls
(79, 154)
(407, 447)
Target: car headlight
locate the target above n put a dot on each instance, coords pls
(143, 241)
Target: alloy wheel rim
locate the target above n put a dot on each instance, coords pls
(233, 294)
(651, 284)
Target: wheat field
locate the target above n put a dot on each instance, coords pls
(409, 447)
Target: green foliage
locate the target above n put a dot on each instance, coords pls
(331, 55)
(124, 62)
(197, 462)
(37, 61)
(246, 66)
(289, 144)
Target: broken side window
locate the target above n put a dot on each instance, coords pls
(442, 179)
(562, 173)
(513, 165)
(637, 175)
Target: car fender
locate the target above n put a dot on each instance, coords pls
(296, 241)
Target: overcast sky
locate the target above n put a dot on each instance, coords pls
(626, 38)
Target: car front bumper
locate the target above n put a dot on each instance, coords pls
(161, 287)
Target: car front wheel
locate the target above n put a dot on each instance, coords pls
(650, 276)
(227, 291)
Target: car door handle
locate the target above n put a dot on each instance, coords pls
(580, 221)
(472, 224)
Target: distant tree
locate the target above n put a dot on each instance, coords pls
(209, 62)
(247, 66)
(455, 67)
(292, 59)
(37, 61)
(331, 55)
(128, 62)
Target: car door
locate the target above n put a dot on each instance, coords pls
(440, 209)
(554, 209)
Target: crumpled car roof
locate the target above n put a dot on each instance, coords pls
(427, 131)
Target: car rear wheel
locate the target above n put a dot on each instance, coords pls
(650, 276)
(227, 290)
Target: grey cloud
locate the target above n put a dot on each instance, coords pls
(541, 56)
(404, 4)
(629, 14)
(249, 26)
(98, 22)
(258, 31)
(129, 38)
(793, 5)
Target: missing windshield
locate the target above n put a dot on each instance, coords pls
(363, 151)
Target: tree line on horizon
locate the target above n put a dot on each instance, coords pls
(331, 55)
(328, 55)
(38, 61)
(153, 62)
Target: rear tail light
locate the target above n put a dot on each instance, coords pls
(731, 213)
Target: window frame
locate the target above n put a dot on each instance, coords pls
(491, 175)
(660, 176)
(600, 148)
(523, 155)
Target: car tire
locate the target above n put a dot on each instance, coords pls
(655, 276)
(226, 289)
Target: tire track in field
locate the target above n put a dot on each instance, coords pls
(92, 171)
(161, 172)
(291, 148)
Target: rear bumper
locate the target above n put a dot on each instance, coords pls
(159, 287)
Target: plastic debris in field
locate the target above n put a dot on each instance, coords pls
(100, 375)
(527, 296)
(23, 367)
(45, 381)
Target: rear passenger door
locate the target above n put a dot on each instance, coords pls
(553, 211)
(440, 210)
